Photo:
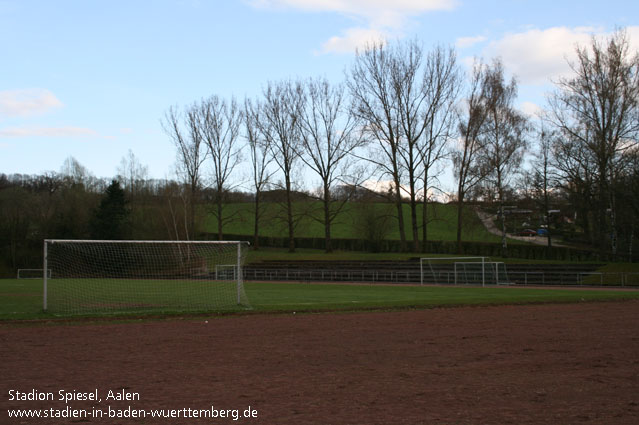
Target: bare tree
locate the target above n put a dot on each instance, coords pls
(260, 161)
(132, 174)
(544, 175)
(219, 124)
(442, 80)
(627, 192)
(374, 96)
(279, 127)
(598, 109)
(406, 99)
(504, 136)
(469, 170)
(576, 167)
(329, 135)
(77, 174)
(185, 134)
(410, 95)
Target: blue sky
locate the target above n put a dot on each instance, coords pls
(92, 79)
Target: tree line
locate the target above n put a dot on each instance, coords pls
(402, 115)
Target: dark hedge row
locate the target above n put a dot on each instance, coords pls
(486, 249)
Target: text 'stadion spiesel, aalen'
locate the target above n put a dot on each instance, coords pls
(73, 395)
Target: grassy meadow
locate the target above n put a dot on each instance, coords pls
(353, 222)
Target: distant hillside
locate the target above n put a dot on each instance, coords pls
(354, 221)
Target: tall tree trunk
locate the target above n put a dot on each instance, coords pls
(400, 215)
(613, 225)
(289, 216)
(425, 214)
(413, 216)
(504, 243)
(191, 211)
(547, 210)
(220, 223)
(327, 219)
(460, 208)
(425, 225)
(256, 226)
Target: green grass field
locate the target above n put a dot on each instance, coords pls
(442, 226)
(22, 299)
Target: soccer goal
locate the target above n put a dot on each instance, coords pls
(32, 273)
(91, 276)
(442, 270)
(226, 271)
(488, 273)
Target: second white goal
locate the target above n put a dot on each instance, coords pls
(462, 271)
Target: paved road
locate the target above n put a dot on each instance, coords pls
(488, 220)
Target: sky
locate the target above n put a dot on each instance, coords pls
(93, 79)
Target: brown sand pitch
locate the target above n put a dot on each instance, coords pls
(538, 364)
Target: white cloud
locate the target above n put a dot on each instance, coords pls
(27, 102)
(384, 186)
(360, 7)
(353, 39)
(464, 42)
(384, 17)
(530, 108)
(12, 132)
(538, 56)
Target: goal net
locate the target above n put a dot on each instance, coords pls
(84, 276)
(475, 273)
(442, 270)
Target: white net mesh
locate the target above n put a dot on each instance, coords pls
(115, 276)
(442, 270)
(475, 273)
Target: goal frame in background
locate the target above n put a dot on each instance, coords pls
(41, 273)
(221, 271)
(47, 274)
(492, 267)
(483, 261)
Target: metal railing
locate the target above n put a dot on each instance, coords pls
(524, 278)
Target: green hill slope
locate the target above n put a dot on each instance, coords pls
(354, 221)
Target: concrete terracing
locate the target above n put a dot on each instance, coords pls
(408, 271)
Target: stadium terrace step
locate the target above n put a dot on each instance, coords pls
(408, 271)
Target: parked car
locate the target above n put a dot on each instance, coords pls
(528, 232)
(542, 232)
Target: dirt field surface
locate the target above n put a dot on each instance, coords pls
(536, 364)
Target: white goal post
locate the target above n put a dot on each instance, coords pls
(427, 270)
(103, 276)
